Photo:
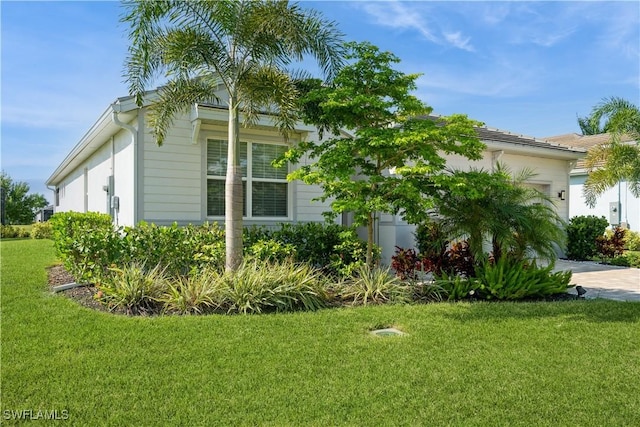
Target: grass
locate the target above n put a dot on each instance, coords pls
(569, 363)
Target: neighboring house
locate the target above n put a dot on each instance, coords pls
(44, 214)
(617, 204)
(118, 169)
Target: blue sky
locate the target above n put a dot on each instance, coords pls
(526, 67)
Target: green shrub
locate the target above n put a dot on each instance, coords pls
(620, 261)
(200, 292)
(177, 249)
(87, 243)
(271, 250)
(335, 249)
(374, 286)
(9, 232)
(627, 259)
(259, 286)
(582, 232)
(507, 279)
(42, 230)
(133, 288)
(431, 240)
(632, 240)
(633, 257)
(24, 233)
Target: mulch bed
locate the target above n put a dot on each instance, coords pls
(84, 295)
(58, 275)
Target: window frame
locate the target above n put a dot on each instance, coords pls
(248, 180)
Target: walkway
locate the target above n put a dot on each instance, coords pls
(603, 281)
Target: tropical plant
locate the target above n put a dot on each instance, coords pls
(259, 286)
(457, 287)
(133, 288)
(18, 206)
(406, 263)
(374, 285)
(431, 238)
(611, 244)
(199, 292)
(427, 291)
(502, 210)
(619, 158)
(244, 46)
(511, 279)
(391, 131)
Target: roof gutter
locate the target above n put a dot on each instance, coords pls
(115, 110)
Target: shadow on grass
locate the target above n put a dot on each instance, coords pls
(600, 311)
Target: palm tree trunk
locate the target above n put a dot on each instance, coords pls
(233, 191)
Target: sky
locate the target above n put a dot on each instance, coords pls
(527, 67)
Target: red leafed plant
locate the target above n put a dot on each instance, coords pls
(406, 263)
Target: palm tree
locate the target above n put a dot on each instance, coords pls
(500, 209)
(618, 160)
(615, 115)
(243, 45)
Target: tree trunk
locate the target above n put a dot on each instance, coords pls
(370, 223)
(233, 191)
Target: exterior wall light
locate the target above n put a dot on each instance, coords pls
(562, 194)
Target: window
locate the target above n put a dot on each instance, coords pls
(265, 188)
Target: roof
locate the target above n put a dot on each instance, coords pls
(586, 142)
(505, 140)
(491, 134)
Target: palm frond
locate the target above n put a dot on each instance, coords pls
(178, 96)
(271, 90)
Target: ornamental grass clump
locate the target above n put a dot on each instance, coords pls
(259, 286)
(133, 289)
(202, 291)
(374, 285)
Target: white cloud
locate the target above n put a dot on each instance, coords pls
(412, 16)
(494, 13)
(458, 40)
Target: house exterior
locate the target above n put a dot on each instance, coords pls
(617, 204)
(44, 214)
(117, 168)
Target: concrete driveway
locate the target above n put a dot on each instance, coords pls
(603, 281)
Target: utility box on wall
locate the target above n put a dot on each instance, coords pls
(614, 213)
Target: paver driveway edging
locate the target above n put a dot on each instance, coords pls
(603, 281)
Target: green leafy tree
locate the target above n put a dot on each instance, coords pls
(19, 207)
(243, 45)
(499, 209)
(389, 131)
(619, 159)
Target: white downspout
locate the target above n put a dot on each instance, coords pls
(114, 116)
(116, 108)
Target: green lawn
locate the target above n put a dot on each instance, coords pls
(571, 363)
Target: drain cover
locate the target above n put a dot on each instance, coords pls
(387, 332)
